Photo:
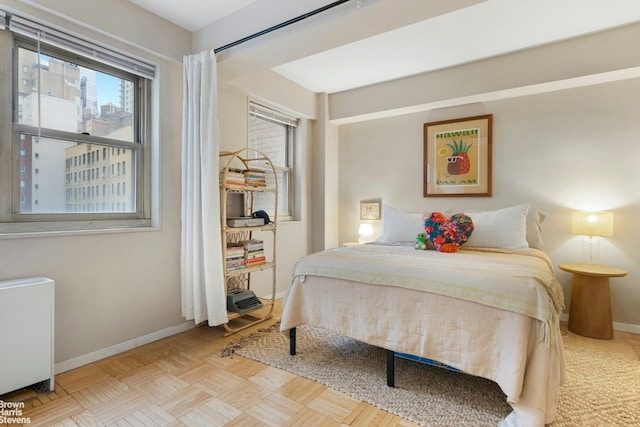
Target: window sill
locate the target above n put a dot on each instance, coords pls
(36, 230)
(288, 220)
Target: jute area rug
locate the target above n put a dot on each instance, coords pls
(602, 389)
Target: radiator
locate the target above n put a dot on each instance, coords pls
(26, 343)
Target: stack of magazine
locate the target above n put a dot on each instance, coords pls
(255, 178)
(253, 252)
(235, 176)
(235, 256)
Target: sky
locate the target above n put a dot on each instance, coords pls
(108, 89)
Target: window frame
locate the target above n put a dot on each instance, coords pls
(11, 219)
(275, 116)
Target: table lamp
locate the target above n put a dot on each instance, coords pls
(365, 231)
(591, 224)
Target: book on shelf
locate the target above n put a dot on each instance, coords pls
(256, 261)
(235, 254)
(232, 181)
(255, 178)
(254, 254)
(253, 245)
(234, 176)
(236, 263)
(234, 250)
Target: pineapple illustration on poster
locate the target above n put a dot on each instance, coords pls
(457, 157)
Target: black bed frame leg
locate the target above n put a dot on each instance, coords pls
(391, 381)
(292, 341)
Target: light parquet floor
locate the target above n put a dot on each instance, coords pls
(183, 380)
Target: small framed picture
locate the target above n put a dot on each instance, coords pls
(369, 210)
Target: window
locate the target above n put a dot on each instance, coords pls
(273, 134)
(72, 99)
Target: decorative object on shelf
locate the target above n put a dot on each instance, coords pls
(263, 215)
(236, 222)
(242, 301)
(369, 211)
(591, 224)
(365, 231)
(457, 157)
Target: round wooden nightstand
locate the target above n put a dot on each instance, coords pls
(590, 310)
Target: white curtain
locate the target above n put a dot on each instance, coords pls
(202, 279)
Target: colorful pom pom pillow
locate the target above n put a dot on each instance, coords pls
(448, 234)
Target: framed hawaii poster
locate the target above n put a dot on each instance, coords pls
(457, 157)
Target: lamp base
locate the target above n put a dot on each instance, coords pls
(590, 250)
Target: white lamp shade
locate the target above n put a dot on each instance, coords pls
(365, 229)
(592, 223)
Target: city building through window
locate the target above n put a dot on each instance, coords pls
(77, 119)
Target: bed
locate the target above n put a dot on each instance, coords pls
(489, 311)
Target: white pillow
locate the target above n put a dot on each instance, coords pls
(400, 226)
(534, 228)
(503, 228)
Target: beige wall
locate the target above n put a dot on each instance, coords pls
(560, 151)
(113, 288)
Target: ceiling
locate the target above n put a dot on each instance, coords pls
(472, 31)
(192, 15)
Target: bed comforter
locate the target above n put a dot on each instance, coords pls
(489, 313)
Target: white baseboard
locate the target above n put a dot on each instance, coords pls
(625, 327)
(85, 359)
(278, 295)
(617, 326)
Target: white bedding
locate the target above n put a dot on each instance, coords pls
(501, 345)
